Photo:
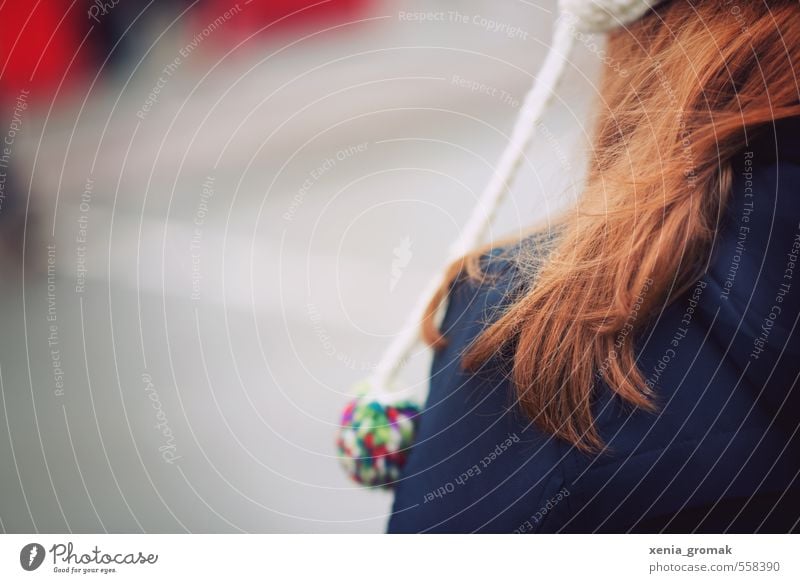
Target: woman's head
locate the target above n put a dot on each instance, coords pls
(700, 79)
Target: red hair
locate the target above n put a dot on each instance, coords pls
(701, 76)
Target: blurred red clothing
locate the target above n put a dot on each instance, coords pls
(39, 46)
(254, 16)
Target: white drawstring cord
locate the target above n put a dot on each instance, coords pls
(543, 90)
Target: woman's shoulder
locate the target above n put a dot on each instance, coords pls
(508, 267)
(504, 273)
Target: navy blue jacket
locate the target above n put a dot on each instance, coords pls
(721, 454)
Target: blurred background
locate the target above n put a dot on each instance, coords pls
(214, 215)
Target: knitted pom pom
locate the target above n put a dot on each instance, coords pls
(374, 439)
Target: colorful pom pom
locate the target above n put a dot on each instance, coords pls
(375, 438)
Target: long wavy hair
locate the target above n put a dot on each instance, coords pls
(701, 77)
